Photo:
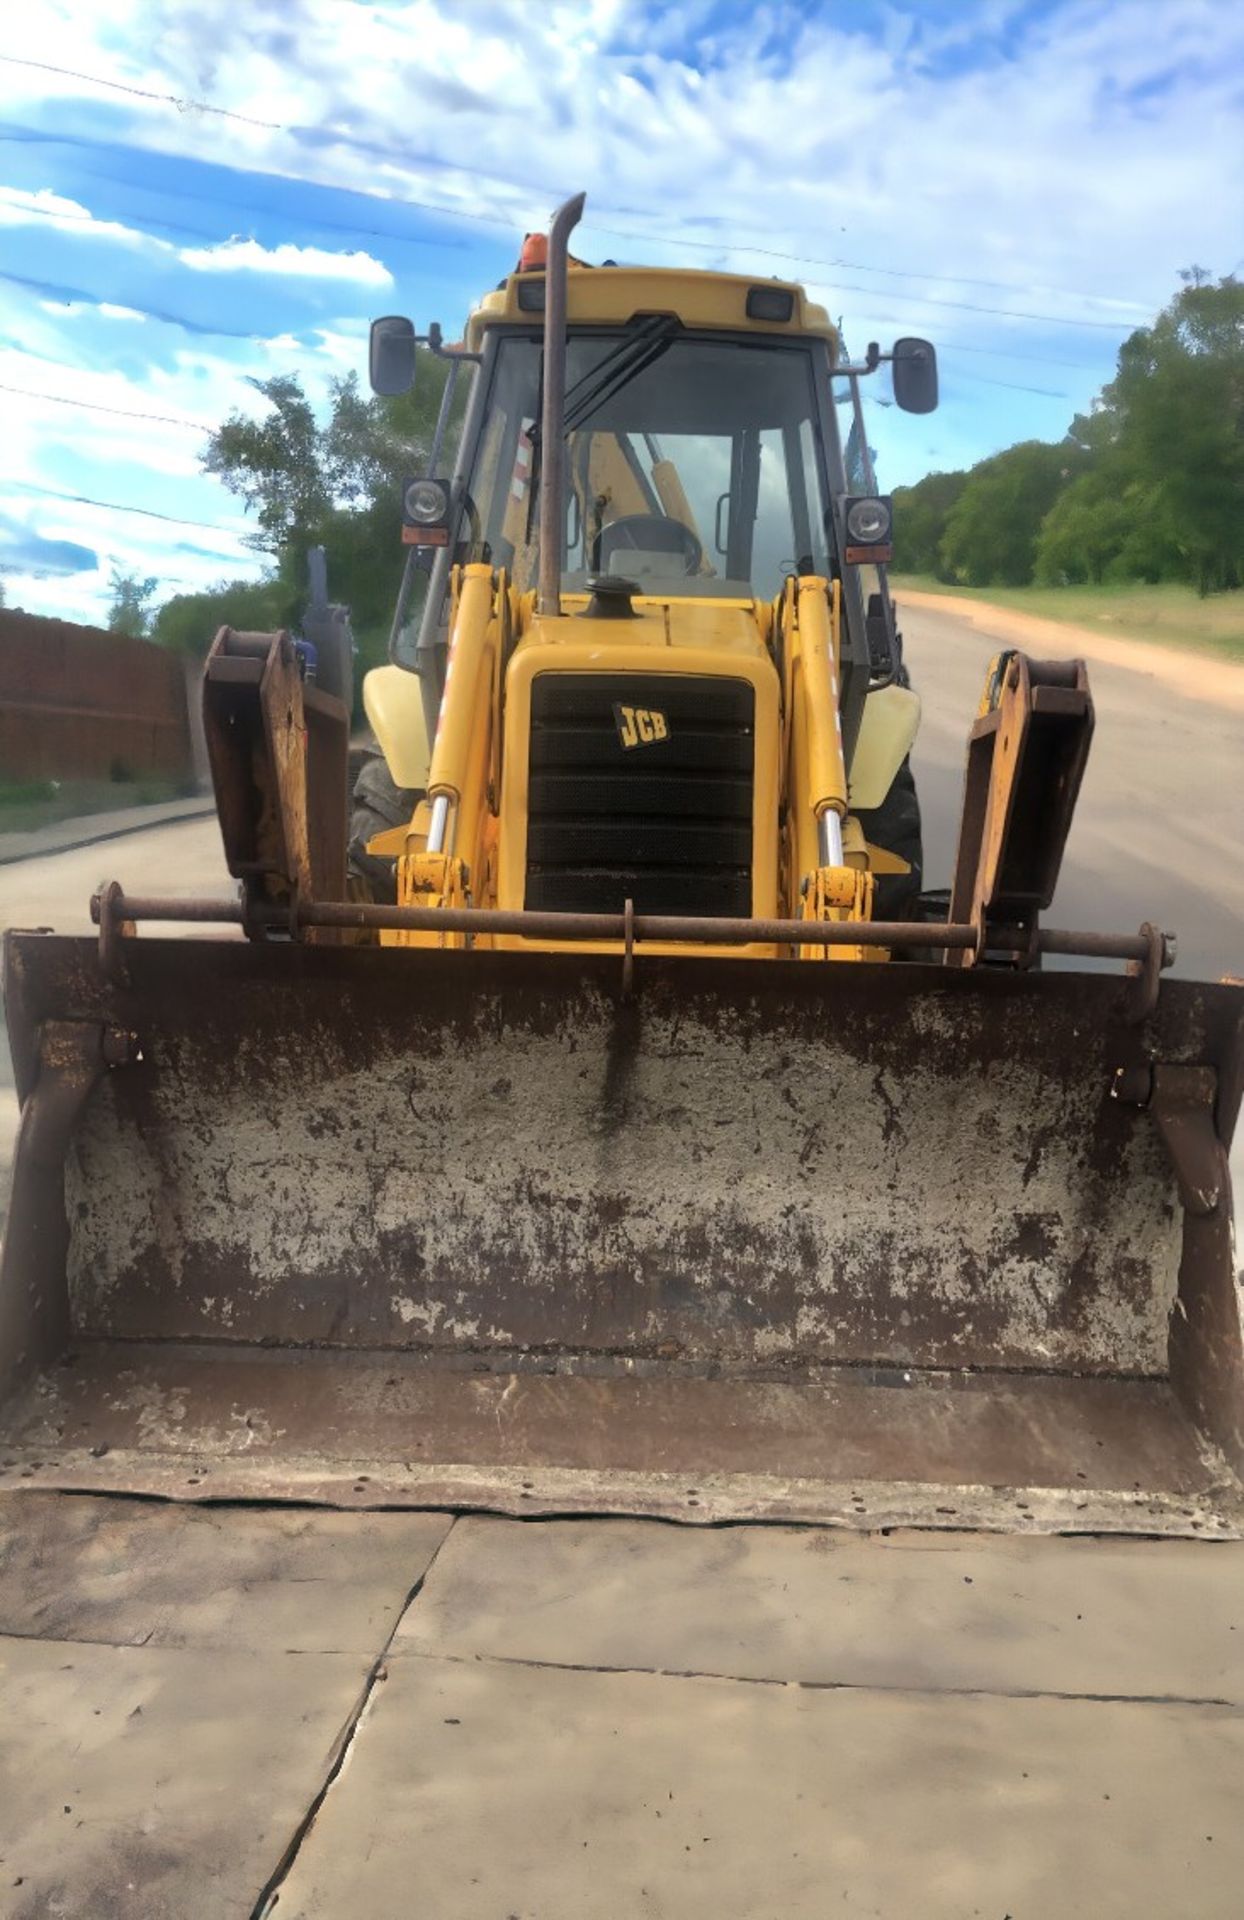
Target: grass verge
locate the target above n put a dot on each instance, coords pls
(27, 805)
(1166, 616)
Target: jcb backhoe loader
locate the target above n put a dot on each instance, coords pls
(653, 1148)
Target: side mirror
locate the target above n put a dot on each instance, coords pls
(391, 356)
(913, 365)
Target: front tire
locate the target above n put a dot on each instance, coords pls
(895, 826)
(378, 804)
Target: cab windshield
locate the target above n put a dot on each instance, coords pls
(693, 465)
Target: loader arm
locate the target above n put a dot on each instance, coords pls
(278, 751)
(1026, 758)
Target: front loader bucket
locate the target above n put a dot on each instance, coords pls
(872, 1244)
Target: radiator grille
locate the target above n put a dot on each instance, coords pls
(666, 822)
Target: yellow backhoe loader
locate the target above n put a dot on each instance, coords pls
(624, 1130)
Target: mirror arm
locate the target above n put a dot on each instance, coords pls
(434, 341)
(451, 354)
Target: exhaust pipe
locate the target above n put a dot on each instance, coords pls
(553, 414)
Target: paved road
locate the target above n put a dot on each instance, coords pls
(1159, 832)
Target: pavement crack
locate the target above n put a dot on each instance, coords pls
(1198, 1701)
(377, 1673)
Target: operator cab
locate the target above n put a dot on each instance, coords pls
(694, 462)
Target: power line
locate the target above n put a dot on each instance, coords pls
(971, 280)
(143, 93)
(187, 105)
(192, 426)
(841, 286)
(53, 290)
(342, 137)
(1042, 393)
(16, 571)
(318, 222)
(900, 273)
(56, 214)
(951, 345)
(95, 406)
(117, 506)
(389, 200)
(969, 306)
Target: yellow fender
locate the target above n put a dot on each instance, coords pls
(393, 703)
(886, 736)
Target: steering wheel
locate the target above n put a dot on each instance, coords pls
(649, 533)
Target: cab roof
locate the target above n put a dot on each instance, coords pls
(604, 296)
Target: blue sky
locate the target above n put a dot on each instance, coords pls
(200, 194)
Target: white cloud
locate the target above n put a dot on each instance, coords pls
(1082, 149)
(71, 429)
(303, 263)
(894, 156)
(52, 212)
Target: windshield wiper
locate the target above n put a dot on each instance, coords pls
(620, 366)
(628, 359)
(623, 363)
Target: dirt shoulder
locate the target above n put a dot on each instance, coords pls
(1198, 676)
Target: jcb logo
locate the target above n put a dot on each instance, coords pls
(640, 726)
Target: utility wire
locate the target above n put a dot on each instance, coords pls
(95, 406)
(187, 105)
(192, 426)
(182, 104)
(66, 296)
(902, 273)
(840, 286)
(117, 506)
(344, 138)
(326, 224)
(319, 222)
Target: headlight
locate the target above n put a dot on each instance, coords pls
(868, 522)
(425, 502)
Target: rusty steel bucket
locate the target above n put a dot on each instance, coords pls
(862, 1243)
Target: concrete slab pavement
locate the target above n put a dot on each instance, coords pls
(612, 1719)
(175, 1685)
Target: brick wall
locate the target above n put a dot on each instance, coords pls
(79, 703)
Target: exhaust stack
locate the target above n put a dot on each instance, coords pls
(553, 413)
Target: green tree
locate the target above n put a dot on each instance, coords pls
(1084, 532)
(295, 473)
(130, 609)
(335, 483)
(1105, 526)
(920, 516)
(274, 464)
(1148, 484)
(189, 622)
(1177, 412)
(992, 529)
